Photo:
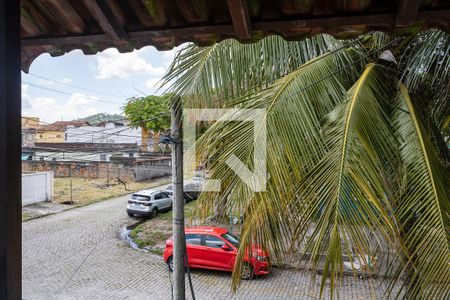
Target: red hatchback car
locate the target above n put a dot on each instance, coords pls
(215, 248)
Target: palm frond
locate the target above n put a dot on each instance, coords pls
(295, 106)
(423, 208)
(230, 69)
(348, 192)
(427, 58)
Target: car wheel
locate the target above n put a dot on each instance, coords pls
(247, 272)
(130, 214)
(170, 263)
(154, 212)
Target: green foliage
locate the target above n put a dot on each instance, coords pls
(150, 112)
(354, 162)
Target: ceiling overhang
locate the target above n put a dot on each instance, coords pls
(60, 26)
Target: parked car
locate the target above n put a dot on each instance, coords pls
(149, 203)
(215, 248)
(191, 189)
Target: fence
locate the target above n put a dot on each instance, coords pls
(37, 187)
(130, 171)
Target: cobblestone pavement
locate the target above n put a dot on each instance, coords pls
(77, 254)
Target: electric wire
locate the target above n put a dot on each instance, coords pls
(69, 94)
(74, 86)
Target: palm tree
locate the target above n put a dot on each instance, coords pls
(357, 135)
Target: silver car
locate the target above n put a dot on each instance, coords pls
(149, 203)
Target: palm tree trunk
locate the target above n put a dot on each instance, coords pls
(145, 139)
(155, 139)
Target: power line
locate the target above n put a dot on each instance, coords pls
(74, 86)
(66, 93)
(110, 134)
(332, 74)
(318, 81)
(89, 132)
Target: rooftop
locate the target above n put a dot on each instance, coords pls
(61, 125)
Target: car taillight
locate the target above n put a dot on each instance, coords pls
(146, 204)
(130, 202)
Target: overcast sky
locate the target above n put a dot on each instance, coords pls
(99, 83)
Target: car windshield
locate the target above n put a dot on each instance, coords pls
(233, 239)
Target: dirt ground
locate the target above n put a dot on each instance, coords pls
(87, 191)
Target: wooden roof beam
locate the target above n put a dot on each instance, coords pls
(101, 11)
(386, 20)
(240, 17)
(407, 12)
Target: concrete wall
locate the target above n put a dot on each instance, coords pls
(153, 168)
(37, 187)
(131, 171)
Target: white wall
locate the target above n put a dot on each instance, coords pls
(108, 134)
(37, 187)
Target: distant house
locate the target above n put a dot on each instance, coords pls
(28, 137)
(106, 132)
(55, 132)
(81, 151)
(30, 122)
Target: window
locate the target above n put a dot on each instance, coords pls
(233, 239)
(194, 239)
(139, 197)
(213, 242)
(158, 196)
(164, 195)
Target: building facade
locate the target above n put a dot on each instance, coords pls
(110, 132)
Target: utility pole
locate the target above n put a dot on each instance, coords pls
(178, 201)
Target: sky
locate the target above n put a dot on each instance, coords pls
(76, 85)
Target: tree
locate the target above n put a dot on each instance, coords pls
(356, 149)
(151, 113)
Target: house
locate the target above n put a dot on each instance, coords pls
(28, 137)
(55, 132)
(81, 151)
(30, 122)
(114, 132)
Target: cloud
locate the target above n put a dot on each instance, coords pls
(112, 64)
(77, 99)
(46, 82)
(152, 83)
(25, 97)
(25, 94)
(51, 109)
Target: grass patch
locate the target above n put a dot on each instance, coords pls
(154, 232)
(87, 191)
(25, 216)
(157, 251)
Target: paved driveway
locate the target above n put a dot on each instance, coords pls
(77, 254)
